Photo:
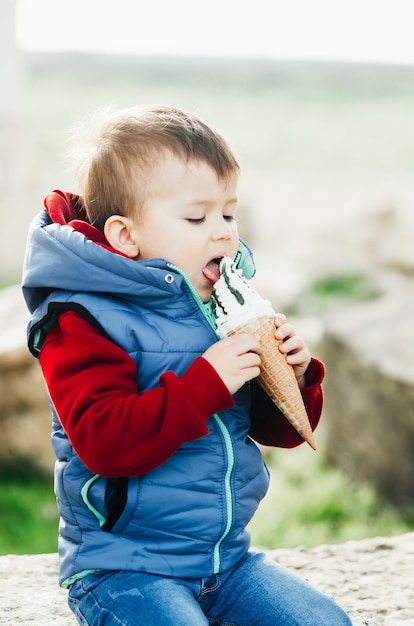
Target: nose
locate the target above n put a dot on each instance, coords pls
(221, 230)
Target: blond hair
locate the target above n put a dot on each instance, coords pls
(112, 173)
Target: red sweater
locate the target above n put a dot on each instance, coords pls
(117, 431)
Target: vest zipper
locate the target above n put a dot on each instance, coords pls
(85, 497)
(227, 488)
(209, 315)
(204, 307)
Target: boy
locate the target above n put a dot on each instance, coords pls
(157, 474)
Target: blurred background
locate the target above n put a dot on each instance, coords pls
(317, 100)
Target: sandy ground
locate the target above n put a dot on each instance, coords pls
(372, 579)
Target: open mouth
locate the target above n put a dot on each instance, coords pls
(211, 271)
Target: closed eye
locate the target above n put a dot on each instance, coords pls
(195, 220)
(201, 220)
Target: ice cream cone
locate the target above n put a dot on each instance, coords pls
(278, 378)
(240, 309)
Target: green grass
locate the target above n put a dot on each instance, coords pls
(29, 519)
(354, 286)
(333, 288)
(308, 503)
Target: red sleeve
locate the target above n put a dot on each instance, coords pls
(270, 427)
(115, 430)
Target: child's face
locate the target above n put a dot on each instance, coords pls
(188, 218)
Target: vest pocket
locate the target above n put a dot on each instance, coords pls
(106, 498)
(115, 500)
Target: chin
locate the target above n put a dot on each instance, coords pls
(205, 295)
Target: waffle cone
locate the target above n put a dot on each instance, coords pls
(278, 378)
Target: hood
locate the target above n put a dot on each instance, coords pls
(67, 253)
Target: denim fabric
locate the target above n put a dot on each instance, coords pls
(256, 592)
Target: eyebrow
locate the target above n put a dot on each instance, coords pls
(205, 203)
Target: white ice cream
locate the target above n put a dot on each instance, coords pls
(235, 301)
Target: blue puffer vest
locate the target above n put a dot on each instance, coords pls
(188, 517)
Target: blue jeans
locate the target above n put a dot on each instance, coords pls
(256, 592)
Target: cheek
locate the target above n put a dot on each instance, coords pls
(235, 239)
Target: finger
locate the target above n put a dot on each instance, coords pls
(298, 358)
(249, 359)
(291, 344)
(250, 371)
(246, 342)
(280, 319)
(284, 331)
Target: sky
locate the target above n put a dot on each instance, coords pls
(373, 31)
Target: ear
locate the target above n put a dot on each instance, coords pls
(120, 233)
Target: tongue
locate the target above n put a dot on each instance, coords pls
(212, 271)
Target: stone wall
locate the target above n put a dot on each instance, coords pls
(372, 579)
(25, 420)
(369, 388)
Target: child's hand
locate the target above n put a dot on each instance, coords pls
(297, 352)
(236, 359)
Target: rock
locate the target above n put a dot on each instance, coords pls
(369, 389)
(388, 239)
(29, 592)
(372, 579)
(376, 239)
(25, 419)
